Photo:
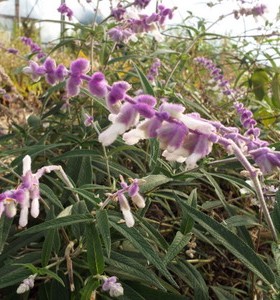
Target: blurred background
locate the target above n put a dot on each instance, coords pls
(28, 12)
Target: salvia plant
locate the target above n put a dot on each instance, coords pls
(145, 167)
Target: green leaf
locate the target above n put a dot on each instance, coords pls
(88, 195)
(179, 242)
(154, 153)
(138, 241)
(241, 220)
(5, 225)
(153, 181)
(187, 222)
(192, 277)
(48, 192)
(275, 214)
(223, 294)
(80, 170)
(233, 243)
(13, 272)
(44, 271)
(259, 81)
(14, 275)
(131, 268)
(242, 231)
(152, 232)
(275, 87)
(17, 243)
(104, 229)
(146, 86)
(91, 285)
(47, 246)
(57, 223)
(79, 208)
(94, 250)
(130, 293)
(149, 293)
(276, 253)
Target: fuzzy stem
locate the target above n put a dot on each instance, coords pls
(254, 175)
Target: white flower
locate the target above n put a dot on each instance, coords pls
(115, 288)
(125, 208)
(108, 136)
(194, 122)
(138, 200)
(26, 284)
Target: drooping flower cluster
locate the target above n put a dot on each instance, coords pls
(216, 74)
(13, 51)
(256, 11)
(132, 190)
(34, 47)
(65, 10)
(78, 68)
(26, 195)
(48, 69)
(266, 158)
(131, 26)
(119, 12)
(111, 285)
(142, 3)
(26, 284)
(153, 72)
(182, 137)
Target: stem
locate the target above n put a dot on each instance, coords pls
(106, 158)
(254, 175)
(68, 182)
(10, 169)
(63, 176)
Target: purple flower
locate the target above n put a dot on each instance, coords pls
(258, 10)
(34, 70)
(35, 48)
(171, 135)
(215, 72)
(117, 34)
(125, 119)
(194, 147)
(255, 11)
(26, 195)
(78, 68)
(164, 13)
(141, 3)
(145, 110)
(65, 10)
(118, 13)
(98, 85)
(153, 72)
(88, 120)
(136, 197)
(8, 201)
(61, 72)
(115, 288)
(267, 159)
(144, 105)
(145, 129)
(116, 95)
(13, 50)
(146, 99)
(50, 68)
